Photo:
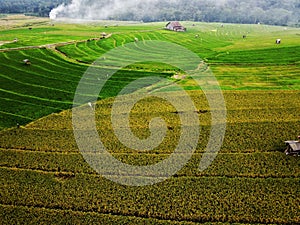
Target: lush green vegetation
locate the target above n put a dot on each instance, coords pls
(39, 89)
(33, 7)
(48, 84)
(44, 178)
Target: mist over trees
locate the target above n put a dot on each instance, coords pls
(31, 7)
(276, 12)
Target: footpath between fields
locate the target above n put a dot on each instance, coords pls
(52, 46)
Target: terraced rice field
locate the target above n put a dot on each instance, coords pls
(45, 179)
(48, 84)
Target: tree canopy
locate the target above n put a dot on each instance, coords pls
(275, 12)
(34, 7)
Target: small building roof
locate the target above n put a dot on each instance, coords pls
(295, 145)
(174, 24)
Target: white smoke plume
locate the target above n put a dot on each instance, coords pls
(278, 12)
(102, 9)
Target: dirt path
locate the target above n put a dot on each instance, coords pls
(5, 42)
(51, 46)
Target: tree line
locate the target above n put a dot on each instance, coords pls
(275, 12)
(30, 7)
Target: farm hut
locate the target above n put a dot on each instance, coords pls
(175, 26)
(292, 147)
(278, 41)
(26, 61)
(91, 105)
